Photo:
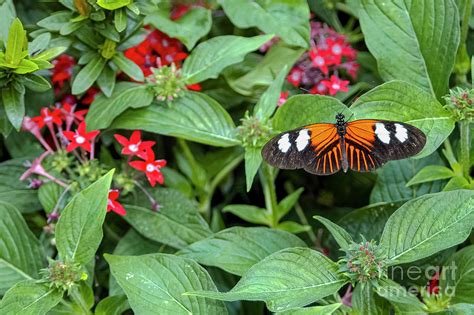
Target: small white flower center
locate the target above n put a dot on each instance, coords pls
(336, 86)
(337, 49)
(319, 60)
(296, 76)
(48, 118)
(133, 147)
(80, 139)
(150, 167)
(321, 87)
(169, 58)
(165, 43)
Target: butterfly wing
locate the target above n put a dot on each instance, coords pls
(371, 143)
(315, 148)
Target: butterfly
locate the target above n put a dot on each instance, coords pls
(361, 145)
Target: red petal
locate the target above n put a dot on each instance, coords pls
(136, 137)
(138, 165)
(121, 139)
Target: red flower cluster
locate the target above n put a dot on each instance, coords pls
(62, 71)
(113, 204)
(318, 70)
(433, 285)
(144, 150)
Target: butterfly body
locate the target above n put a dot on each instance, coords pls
(361, 145)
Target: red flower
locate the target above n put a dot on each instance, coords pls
(150, 167)
(90, 96)
(433, 285)
(135, 146)
(62, 70)
(179, 10)
(194, 87)
(321, 59)
(48, 117)
(283, 98)
(339, 48)
(113, 204)
(80, 138)
(295, 76)
(319, 88)
(335, 85)
(351, 68)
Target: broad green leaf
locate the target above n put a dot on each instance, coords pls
(341, 236)
(14, 105)
(79, 229)
(120, 20)
(457, 182)
(14, 191)
(21, 254)
(49, 54)
(26, 66)
(189, 28)
(132, 244)
(268, 102)
(237, 249)
(288, 203)
(8, 14)
(157, 282)
(460, 309)
(401, 101)
(112, 305)
(106, 82)
(15, 43)
(250, 213)
(177, 181)
(209, 58)
(55, 21)
(363, 299)
(177, 223)
(36, 83)
(39, 44)
(113, 4)
(253, 160)
(129, 67)
(30, 298)
(262, 74)
(400, 34)
(287, 279)
(193, 116)
(87, 75)
(126, 95)
(301, 110)
(287, 19)
(393, 177)
(431, 173)
(403, 301)
(48, 195)
(428, 224)
(458, 276)
(292, 227)
(313, 310)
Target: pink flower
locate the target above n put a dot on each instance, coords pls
(150, 167)
(113, 204)
(134, 146)
(295, 76)
(48, 117)
(36, 168)
(335, 85)
(321, 59)
(283, 98)
(80, 138)
(319, 88)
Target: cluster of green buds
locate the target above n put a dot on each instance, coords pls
(253, 132)
(166, 82)
(364, 262)
(91, 171)
(60, 161)
(460, 103)
(435, 302)
(125, 183)
(63, 276)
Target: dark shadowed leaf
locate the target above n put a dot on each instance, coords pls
(458, 276)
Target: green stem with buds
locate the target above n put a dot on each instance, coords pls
(464, 127)
(269, 191)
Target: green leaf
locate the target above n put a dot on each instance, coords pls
(79, 229)
(209, 58)
(250, 213)
(267, 103)
(14, 191)
(176, 224)
(193, 116)
(428, 224)
(129, 67)
(457, 182)
(363, 299)
(401, 101)
(120, 20)
(301, 110)
(287, 279)
(36, 83)
(189, 28)
(15, 43)
(106, 82)
(39, 44)
(237, 249)
(49, 54)
(287, 19)
(400, 35)
(87, 76)
(26, 66)
(8, 14)
(112, 305)
(341, 236)
(393, 177)
(458, 276)
(313, 310)
(113, 4)
(30, 298)
(48, 195)
(288, 202)
(263, 73)
(403, 301)
(431, 173)
(14, 105)
(126, 95)
(21, 254)
(176, 180)
(253, 160)
(55, 21)
(292, 227)
(158, 281)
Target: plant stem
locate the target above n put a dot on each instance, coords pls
(269, 192)
(464, 127)
(300, 213)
